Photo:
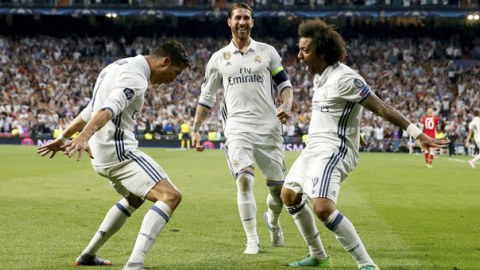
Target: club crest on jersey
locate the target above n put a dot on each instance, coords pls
(128, 93)
(227, 55)
(258, 59)
(358, 83)
(325, 94)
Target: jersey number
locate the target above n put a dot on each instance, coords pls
(429, 123)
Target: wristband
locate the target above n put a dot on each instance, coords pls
(61, 138)
(414, 131)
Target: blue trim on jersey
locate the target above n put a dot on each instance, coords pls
(147, 167)
(205, 105)
(279, 183)
(108, 108)
(120, 206)
(160, 212)
(118, 137)
(366, 91)
(327, 175)
(229, 163)
(333, 225)
(223, 111)
(342, 127)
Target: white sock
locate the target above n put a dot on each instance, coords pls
(113, 221)
(305, 222)
(153, 222)
(274, 202)
(477, 157)
(247, 206)
(348, 237)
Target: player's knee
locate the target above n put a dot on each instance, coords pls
(289, 197)
(323, 208)
(245, 182)
(174, 196)
(275, 190)
(134, 201)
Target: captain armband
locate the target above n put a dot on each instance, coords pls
(414, 131)
(281, 79)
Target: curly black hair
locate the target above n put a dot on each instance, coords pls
(325, 38)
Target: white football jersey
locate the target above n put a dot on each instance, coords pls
(336, 112)
(120, 88)
(475, 127)
(248, 103)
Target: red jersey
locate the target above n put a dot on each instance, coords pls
(430, 124)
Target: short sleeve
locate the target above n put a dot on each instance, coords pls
(275, 59)
(128, 86)
(353, 87)
(212, 82)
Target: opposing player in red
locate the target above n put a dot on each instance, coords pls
(429, 127)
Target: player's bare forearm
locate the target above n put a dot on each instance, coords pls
(97, 122)
(287, 99)
(376, 105)
(284, 111)
(76, 125)
(200, 116)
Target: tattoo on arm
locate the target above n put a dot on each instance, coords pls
(376, 105)
(287, 98)
(200, 117)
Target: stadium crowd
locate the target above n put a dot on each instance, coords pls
(42, 73)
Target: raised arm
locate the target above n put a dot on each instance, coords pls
(200, 116)
(374, 104)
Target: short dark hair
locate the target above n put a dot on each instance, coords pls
(175, 51)
(476, 112)
(239, 5)
(325, 38)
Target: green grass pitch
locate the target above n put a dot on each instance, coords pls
(408, 216)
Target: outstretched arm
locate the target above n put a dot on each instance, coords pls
(76, 125)
(80, 143)
(374, 104)
(284, 111)
(200, 117)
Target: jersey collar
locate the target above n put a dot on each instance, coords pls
(146, 68)
(321, 79)
(252, 47)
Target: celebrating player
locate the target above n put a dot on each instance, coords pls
(252, 123)
(331, 151)
(429, 126)
(474, 128)
(107, 126)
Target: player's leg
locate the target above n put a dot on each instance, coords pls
(269, 155)
(343, 229)
(166, 198)
(146, 179)
(325, 191)
(113, 221)
(426, 152)
(292, 196)
(239, 153)
(431, 156)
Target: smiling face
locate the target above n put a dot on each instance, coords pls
(241, 23)
(307, 54)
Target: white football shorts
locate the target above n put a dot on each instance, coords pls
(137, 174)
(243, 150)
(317, 174)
